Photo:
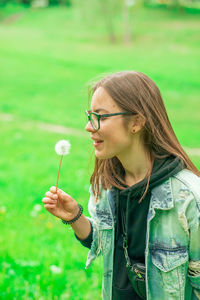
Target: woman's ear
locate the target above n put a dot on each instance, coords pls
(137, 124)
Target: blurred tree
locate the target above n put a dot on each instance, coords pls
(108, 12)
(114, 14)
(127, 24)
(177, 4)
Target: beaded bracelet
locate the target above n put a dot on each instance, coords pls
(76, 218)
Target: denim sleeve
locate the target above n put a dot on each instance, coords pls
(88, 241)
(193, 218)
(95, 249)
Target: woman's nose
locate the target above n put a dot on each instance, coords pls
(89, 127)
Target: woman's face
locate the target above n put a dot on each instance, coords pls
(113, 138)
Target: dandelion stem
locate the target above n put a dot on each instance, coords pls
(59, 172)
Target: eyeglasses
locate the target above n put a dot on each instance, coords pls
(95, 118)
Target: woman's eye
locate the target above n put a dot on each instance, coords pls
(103, 118)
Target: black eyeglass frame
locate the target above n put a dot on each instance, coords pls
(89, 113)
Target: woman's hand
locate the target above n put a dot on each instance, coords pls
(66, 208)
(60, 204)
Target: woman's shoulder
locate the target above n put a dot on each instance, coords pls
(188, 178)
(188, 182)
(186, 174)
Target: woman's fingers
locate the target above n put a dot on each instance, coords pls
(53, 189)
(63, 196)
(47, 206)
(59, 193)
(59, 203)
(47, 200)
(51, 195)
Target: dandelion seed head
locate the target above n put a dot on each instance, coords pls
(37, 207)
(56, 270)
(62, 147)
(35, 210)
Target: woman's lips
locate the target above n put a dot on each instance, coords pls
(97, 143)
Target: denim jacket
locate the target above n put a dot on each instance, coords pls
(172, 254)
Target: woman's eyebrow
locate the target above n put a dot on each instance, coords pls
(100, 109)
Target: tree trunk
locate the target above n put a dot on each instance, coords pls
(126, 23)
(107, 11)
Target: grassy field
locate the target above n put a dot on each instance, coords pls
(47, 57)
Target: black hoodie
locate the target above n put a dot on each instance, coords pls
(137, 223)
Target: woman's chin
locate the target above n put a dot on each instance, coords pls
(101, 155)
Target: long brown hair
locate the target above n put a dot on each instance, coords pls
(135, 92)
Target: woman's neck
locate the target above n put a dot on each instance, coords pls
(137, 166)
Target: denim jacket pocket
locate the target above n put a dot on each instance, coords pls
(171, 265)
(169, 259)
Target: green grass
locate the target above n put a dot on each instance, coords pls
(30, 245)
(46, 58)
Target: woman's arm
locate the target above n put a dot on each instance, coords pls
(82, 227)
(66, 208)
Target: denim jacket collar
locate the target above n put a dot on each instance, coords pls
(162, 196)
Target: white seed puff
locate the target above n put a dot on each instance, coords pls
(62, 147)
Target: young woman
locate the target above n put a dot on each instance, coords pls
(145, 196)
